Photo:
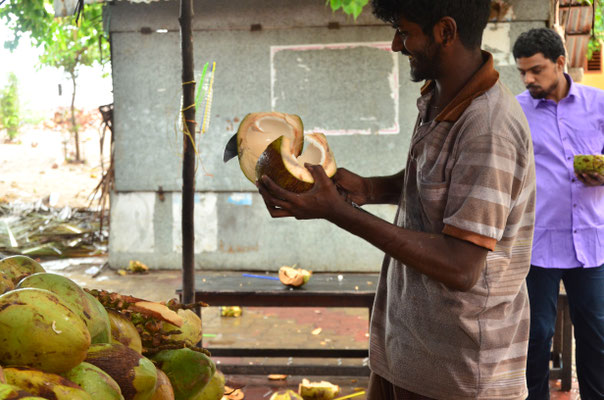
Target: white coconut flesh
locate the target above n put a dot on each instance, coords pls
(316, 152)
(260, 133)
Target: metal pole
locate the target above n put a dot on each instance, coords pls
(188, 165)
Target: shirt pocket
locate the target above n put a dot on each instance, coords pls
(433, 200)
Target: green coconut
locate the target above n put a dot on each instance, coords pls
(123, 331)
(6, 283)
(18, 267)
(589, 163)
(38, 330)
(100, 321)
(214, 390)
(135, 374)
(287, 169)
(190, 330)
(11, 392)
(189, 371)
(95, 382)
(257, 130)
(45, 384)
(86, 306)
(163, 389)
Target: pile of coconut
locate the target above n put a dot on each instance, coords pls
(60, 341)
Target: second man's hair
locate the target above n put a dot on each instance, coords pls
(539, 40)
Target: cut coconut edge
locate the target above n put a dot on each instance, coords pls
(276, 156)
(258, 130)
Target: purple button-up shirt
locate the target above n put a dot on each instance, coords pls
(569, 216)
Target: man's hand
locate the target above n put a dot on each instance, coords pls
(353, 188)
(320, 201)
(591, 178)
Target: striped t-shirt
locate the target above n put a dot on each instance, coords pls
(469, 174)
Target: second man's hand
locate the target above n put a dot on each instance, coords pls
(320, 202)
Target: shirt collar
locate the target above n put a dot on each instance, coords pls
(573, 91)
(480, 82)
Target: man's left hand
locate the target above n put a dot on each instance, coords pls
(591, 178)
(318, 202)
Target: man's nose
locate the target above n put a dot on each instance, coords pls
(397, 42)
(528, 78)
(398, 45)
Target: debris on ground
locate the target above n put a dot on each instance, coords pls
(230, 311)
(40, 231)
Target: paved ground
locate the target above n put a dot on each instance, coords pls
(257, 327)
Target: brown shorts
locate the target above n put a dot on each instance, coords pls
(380, 389)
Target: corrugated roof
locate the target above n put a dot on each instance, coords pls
(576, 46)
(576, 19)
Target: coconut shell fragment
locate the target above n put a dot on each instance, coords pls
(295, 277)
(288, 170)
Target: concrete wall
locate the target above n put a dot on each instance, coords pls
(342, 81)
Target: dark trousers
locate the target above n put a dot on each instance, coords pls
(585, 290)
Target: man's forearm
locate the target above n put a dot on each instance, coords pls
(451, 261)
(386, 189)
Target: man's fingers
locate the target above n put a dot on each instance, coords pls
(591, 179)
(274, 189)
(279, 213)
(317, 172)
(597, 178)
(276, 207)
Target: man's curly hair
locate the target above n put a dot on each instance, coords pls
(471, 16)
(539, 40)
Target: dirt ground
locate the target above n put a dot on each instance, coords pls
(34, 167)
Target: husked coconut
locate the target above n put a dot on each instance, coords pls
(287, 169)
(258, 130)
(589, 163)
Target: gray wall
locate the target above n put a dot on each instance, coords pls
(344, 82)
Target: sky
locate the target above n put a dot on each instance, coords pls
(39, 87)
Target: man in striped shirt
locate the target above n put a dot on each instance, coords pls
(451, 317)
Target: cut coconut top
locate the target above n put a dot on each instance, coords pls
(258, 130)
(316, 152)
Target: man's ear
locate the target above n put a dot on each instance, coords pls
(446, 30)
(561, 62)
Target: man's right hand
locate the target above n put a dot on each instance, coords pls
(354, 188)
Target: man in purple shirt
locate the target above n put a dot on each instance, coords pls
(565, 119)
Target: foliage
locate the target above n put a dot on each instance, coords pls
(595, 43)
(350, 7)
(9, 107)
(66, 43)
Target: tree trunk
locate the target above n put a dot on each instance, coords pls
(74, 124)
(188, 165)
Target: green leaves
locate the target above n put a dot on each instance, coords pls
(597, 37)
(350, 7)
(10, 117)
(65, 44)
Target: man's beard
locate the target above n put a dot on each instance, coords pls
(426, 64)
(538, 93)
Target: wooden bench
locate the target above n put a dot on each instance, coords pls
(326, 290)
(323, 290)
